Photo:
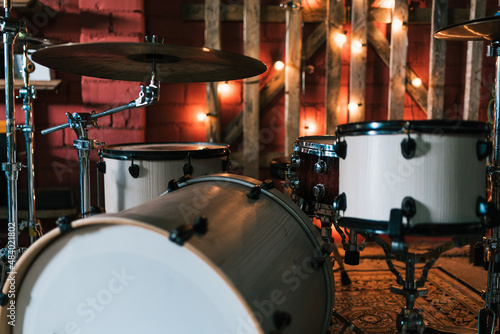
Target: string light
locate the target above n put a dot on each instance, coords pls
(340, 39)
(202, 116)
(353, 106)
(223, 88)
(416, 82)
(397, 24)
(279, 65)
(357, 46)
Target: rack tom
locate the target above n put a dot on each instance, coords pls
(316, 164)
(136, 173)
(433, 171)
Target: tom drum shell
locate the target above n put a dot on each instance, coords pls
(155, 165)
(439, 165)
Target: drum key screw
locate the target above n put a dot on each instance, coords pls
(295, 161)
(255, 191)
(133, 169)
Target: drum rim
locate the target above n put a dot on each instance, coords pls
(422, 126)
(218, 151)
(303, 145)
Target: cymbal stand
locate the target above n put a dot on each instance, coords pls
(488, 316)
(28, 94)
(10, 28)
(82, 122)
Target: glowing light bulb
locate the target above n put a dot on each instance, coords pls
(397, 24)
(340, 39)
(205, 49)
(223, 88)
(416, 82)
(352, 107)
(357, 46)
(279, 65)
(201, 116)
(311, 127)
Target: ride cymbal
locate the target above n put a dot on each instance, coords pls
(134, 62)
(487, 28)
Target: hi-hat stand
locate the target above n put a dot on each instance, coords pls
(82, 122)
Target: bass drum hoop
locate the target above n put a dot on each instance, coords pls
(210, 150)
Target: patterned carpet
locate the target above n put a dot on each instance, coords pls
(369, 305)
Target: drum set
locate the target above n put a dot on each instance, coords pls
(186, 247)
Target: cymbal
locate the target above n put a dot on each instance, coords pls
(133, 62)
(487, 28)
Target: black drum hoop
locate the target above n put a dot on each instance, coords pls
(436, 127)
(218, 151)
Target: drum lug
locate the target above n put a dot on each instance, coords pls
(64, 224)
(409, 207)
(184, 232)
(319, 191)
(340, 148)
(408, 147)
(255, 191)
(340, 202)
(133, 169)
(101, 166)
(295, 161)
(226, 165)
(483, 149)
(320, 167)
(188, 169)
(281, 320)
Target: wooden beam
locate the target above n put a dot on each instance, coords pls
(381, 45)
(212, 40)
(251, 37)
(437, 62)
(473, 67)
(397, 63)
(293, 70)
(357, 81)
(276, 83)
(195, 12)
(333, 64)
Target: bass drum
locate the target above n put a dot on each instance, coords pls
(137, 173)
(255, 267)
(435, 171)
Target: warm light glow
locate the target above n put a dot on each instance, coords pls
(201, 116)
(353, 106)
(397, 24)
(340, 39)
(311, 3)
(383, 4)
(223, 88)
(357, 46)
(205, 49)
(279, 65)
(311, 127)
(416, 82)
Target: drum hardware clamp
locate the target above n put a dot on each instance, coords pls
(408, 145)
(81, 122)
(184, 232)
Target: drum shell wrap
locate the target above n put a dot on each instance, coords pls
(122, 191)
(445, 177)
(261, 250)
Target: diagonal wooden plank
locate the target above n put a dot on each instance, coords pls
(275, 85)
(381, 45)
